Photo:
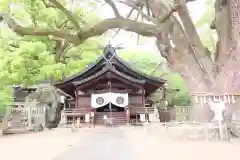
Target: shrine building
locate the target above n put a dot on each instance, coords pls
(109, 89)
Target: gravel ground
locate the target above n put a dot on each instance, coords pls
(113, 143)
(156, 144)
(38, 146)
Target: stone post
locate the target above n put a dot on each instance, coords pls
(29, 111)
(63, 121)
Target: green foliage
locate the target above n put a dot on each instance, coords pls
(28, 60)
(208, 36)
(149, 64)
(145, 61)
(181, 97)
(5, 98)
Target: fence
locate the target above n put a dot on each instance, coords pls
(183, 113)
(35, 111)
(177, 113)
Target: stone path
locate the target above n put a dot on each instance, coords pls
(38, 146)
(106, 144)
(113, 143)
(156, 144)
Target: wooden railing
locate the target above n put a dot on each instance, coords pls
(141, 110)
(32, 110)
(76, 110)
(182, 113)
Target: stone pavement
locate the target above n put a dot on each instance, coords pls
(38, 146)
(101, 144)
(112, 144)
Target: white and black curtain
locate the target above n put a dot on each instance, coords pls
(118, 99)
(99, 100)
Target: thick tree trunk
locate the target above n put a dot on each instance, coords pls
(188, 57)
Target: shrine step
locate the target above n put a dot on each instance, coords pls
(16, 124)
(15, 130)
(119, 118)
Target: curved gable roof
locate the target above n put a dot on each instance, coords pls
(105, 70)
(110, 54)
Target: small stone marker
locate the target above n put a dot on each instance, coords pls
(218, 106)
(105, 117)
(87, 118)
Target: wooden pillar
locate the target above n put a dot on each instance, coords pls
(143, 97)
(127, 110)
(143, 102)
(89, 112)
(29, 116)
(93, 117)
(76, 95)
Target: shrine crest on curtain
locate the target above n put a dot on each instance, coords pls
(118, 99)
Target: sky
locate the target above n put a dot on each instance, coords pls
(129, 40)
(196, 9)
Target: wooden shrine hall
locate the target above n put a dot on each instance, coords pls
(109, 89)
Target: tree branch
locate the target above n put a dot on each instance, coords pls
(134, 6)
(103, 26)
(20, 30)
(190, 0)
(114, 8)
(169, 14)
(222, 14)
(66, 12)
(194, 40)
(47, 5)
(125, 24)
(129, 14)
(60, 47)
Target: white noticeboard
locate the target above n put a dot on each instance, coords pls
(150, 117)
(92, 114)
(87, 118)
(142, 117)
(105, 117)
(217, 107)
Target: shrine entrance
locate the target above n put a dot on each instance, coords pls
(109, 89)
(113, 108)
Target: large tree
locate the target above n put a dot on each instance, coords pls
(176, 37)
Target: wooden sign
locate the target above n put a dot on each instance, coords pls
(105, 117)
(142, 117)
(87, 118)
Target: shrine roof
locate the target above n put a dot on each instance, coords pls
(119, 67)
(116, 60)
(108, 69)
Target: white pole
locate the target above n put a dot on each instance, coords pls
(110, 104)
(29, 117)
(221, 130)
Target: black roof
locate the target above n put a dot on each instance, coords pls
(123, 68)
(105, 70)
